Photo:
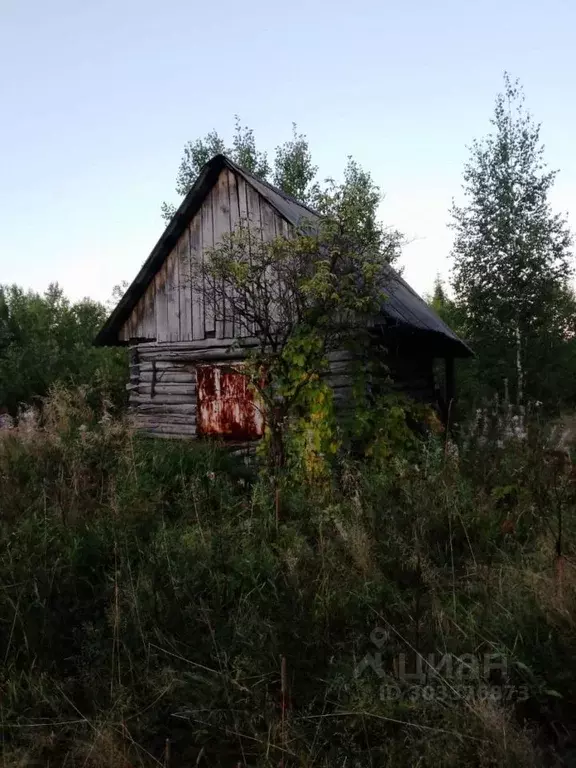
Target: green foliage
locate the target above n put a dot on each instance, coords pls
(45, 340)
(350, 210)
(512, 257)
(385, 427)
(293, 169)
(445, 307)
(244, 151)
(312, 434)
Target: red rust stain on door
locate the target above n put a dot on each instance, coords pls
(227, 407)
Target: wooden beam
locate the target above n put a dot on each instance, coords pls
(198, 344)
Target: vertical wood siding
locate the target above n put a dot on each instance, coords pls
(234, 207)
(171, 310)
(196, 297)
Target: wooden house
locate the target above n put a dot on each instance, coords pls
(179, 384)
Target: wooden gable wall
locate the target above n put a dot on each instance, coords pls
(170, 310)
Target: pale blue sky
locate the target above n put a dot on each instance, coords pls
(98, 98)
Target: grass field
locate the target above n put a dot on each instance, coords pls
(162, 604)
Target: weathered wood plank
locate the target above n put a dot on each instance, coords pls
(167, 377)
(197, 296)
(255, 224)
(133, 358)
(152, 426)
(207, 213)
(167, 386)
(221, 227)
(132, 323)
(278, 224)
(147, 366)
(243, 214)
(148, 316)
(161, 399)
(193, 355)
(150, 407)
(242, 203)
(268, 233)
(173, 295)
(339, 367)
(253, 209)
(342, 398)
(185, 288)
(336, 356)
(267, 222)
(165, 418)
(135, 322)
(198, 344)
(338, 381)
(161, 304)
(126, 332)
(143, 330)
(145, 388)
(152, 422)
(234, 208)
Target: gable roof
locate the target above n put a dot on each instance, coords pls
(404, 310)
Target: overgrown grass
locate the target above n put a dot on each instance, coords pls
(155, 609)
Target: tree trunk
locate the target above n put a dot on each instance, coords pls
(519, 369)
(278, 452)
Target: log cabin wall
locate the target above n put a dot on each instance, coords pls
(163, 384)
(162, 397)
(409, 373)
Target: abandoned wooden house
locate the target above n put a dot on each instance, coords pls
(179, 383)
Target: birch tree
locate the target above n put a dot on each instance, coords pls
(511, 251)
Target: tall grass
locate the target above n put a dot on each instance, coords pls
(154, 610)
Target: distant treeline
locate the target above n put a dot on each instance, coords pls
(45, 340)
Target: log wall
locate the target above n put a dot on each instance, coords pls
(163, 383)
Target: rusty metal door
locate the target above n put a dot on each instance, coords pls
(227, 407)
